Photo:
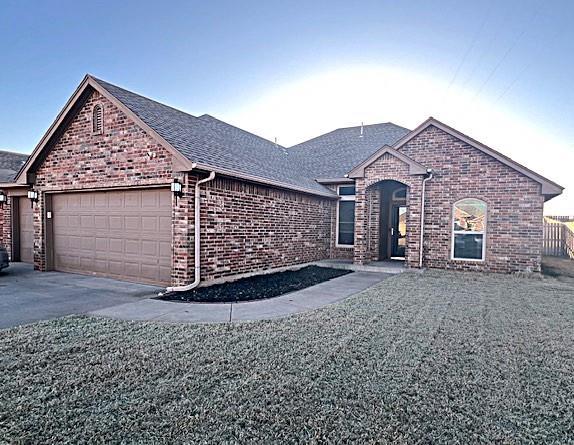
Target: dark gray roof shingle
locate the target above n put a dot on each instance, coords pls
(10, 164)
(207, 140)
(334, 154)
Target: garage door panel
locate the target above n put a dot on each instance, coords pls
(121, 234)
(165, 250)
(150, 248)
(101, 222)
(132, 223)
(132, 247)
(116, 222)
(100, 201)
(150, 223)
(165, 224)
(102, 245)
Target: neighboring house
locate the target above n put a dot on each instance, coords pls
(103, 171)
(10, 164)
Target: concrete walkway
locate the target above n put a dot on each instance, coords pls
(304, 300)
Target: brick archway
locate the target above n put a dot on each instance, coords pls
(386, 168)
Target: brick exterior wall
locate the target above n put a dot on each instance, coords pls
(386, 167)
(248, 228)
(515, 204)
(5, 236)
(81, 160)
(514, 212)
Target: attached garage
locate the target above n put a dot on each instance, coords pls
(124, 234)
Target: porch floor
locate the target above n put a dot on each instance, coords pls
(387, 266)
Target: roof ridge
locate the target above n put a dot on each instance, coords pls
(372, 125)
(240, 129)
(347, 128)
(14, 153)
(141, 95)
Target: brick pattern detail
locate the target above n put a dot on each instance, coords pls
(80, 160)
(386, 167)
(5, 226)
(373, 223)
(515, 204)
(248, 228)
(183, 232)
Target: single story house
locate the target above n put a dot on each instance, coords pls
(126, 187)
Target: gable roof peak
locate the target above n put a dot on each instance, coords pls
(549, 188)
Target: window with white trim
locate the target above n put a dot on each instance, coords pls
(98, 119)
(346, 216)
(469, 230)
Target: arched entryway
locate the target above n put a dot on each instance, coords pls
(387, 222)
(393, 220)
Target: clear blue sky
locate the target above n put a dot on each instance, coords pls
(215, 57)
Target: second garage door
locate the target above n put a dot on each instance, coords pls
(118, 234)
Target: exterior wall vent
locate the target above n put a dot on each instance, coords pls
(98, 119)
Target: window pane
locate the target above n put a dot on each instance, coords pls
(470, 215)
(347, 238)
(346, 190)
(468, 246)
(346, 222)
(347, 211)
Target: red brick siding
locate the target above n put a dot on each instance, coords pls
(118, 157)
(248, 228)
(386, 167)
(5, 236)
(515, 204)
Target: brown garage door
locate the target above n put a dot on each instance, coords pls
(26, 234)
(118, 234)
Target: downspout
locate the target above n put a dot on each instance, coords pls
(428, 176)
(197, 252)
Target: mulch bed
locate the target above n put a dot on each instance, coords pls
(258, 287)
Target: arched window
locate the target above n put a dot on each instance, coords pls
(469, 230)
(98, 119)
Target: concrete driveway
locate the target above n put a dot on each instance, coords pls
(27, 296)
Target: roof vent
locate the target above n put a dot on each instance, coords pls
(361, 135)
(98, 119)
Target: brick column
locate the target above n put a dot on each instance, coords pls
(39, 232)
(360, 251)
(414, 195)
(6, 226)
(183, 232)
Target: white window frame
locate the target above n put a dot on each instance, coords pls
(467, 232)
(344, 198)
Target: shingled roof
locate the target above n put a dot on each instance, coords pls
(211, 144)
(334, 154)
(210, 141)
(10, 164)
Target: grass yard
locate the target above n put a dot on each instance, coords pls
(439, 357)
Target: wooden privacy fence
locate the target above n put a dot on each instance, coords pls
(558, 238)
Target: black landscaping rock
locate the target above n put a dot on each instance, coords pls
(258, 287)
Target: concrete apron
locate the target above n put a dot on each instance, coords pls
(304, 300)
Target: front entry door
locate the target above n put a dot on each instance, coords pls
(398, 231)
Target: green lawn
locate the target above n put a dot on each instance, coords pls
(436, 357)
